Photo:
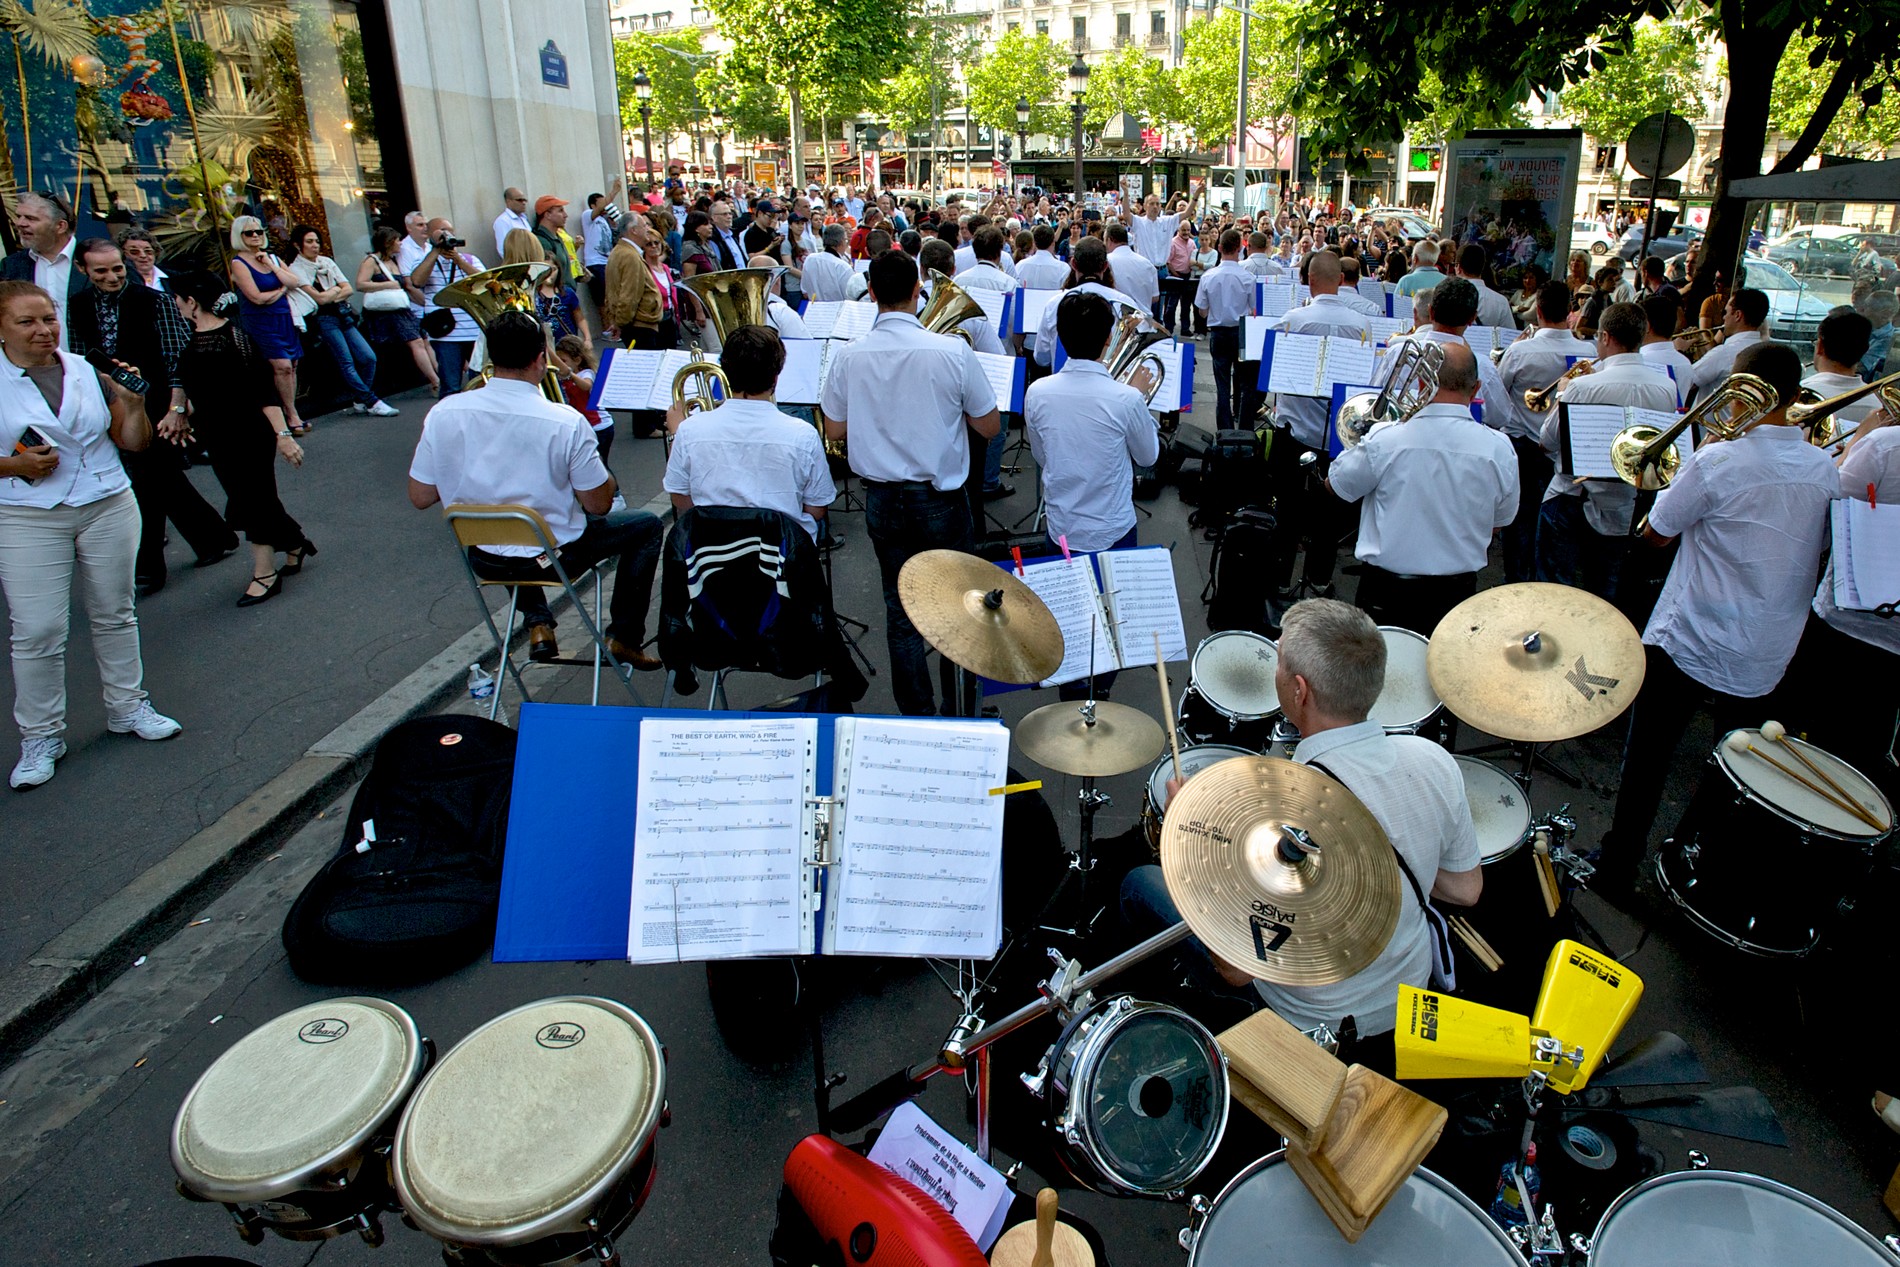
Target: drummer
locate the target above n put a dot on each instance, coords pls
(1331, 669)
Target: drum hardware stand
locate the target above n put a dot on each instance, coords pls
(1530, 756)
(843, 623)
(1538, 1238)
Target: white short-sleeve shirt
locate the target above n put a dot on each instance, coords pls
(1087, 433)
(903, 394)
(1432, 489)
(747, 453)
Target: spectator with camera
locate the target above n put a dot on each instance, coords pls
(452, 332)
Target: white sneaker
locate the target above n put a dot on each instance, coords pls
(36, 762)
(144, 721)
(358, 408)
(383, 409)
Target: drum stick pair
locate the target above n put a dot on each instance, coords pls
(1849, 806)
(1776, 731)
(1167, 708)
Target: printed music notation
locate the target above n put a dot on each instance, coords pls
(1135, 599)
(1588, 431)
(741, 896)
(911, 885)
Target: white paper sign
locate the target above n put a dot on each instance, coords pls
(923, 1154)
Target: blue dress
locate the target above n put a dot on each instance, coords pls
(269, 324)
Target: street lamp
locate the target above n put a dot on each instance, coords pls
(643, 93)
(718, 120)
(1022, 128)
(873, 144)
(1078, 88)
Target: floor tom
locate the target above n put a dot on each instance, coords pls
(1499, 808)
(1721, 1216)
(1193, 760)
(1407, 700)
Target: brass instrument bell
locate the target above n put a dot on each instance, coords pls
(732, 297)
(949, 307)
(1541, 399)
(1128, 349)
(1816, 415)
(1408, 388)
(487, 294)
(1646, 457)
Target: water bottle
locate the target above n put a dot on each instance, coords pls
(1507, 1207)
(481, 683)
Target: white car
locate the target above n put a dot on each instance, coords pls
(1589, 231)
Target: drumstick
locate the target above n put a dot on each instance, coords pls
(1776, 732)
(1167, 708)
(1812, 786)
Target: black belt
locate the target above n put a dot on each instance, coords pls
(911, 486)
(1415, 576)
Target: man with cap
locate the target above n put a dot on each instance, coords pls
(550, 217)
(763, 235)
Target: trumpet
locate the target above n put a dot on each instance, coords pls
(1815, 415)
(1408, 389)
(1540, 400)
(1646, 457)
(733, 297)
(1694, 344)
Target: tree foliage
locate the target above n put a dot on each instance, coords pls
(1858, 129)
(1207, 83)
(1131, 80)
(671, 61)
(1662, 68)
(753, 109)
(903, 101)
(1021, 67)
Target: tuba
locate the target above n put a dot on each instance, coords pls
(1646, 458)
(1540, 400)
(1129, 344)
(733, 297)
(487, 294)
(949, 307)
(1408, 388)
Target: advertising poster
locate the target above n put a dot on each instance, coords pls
(1512, 192)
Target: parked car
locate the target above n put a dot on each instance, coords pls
(1666, 247)
(1413, 225)
(1588, 235)
(1805, 251)
(1794, 310)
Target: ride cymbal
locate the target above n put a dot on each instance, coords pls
(1062, 737)
(1310, 911)
(1535, 663)
(977, 615)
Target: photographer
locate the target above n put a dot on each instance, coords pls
(452, 332)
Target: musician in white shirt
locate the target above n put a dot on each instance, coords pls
(1493, 309)
(827, 275)
(1531, 364)
(1349, 290)
(1838, 347)
(1664, 311)
(1259, 259)
(1751, 515)
(1743, 319)
(1149, 232)
(1431, 490)
(1042, 270)
(987, 272)
(1089, 262)
(1134, 274)
(1224, 298)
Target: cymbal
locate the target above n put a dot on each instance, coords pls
(1310, 922)
(979, 616)
(1060, 737)
(1535, 663)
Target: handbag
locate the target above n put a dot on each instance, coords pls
(384, 300)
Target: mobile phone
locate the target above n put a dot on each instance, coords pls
(30, 439)
(118, 373)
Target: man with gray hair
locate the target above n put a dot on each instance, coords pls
(45, 224)
(1424, 272)
(1431, 491)
(1330, 670)
(828, 274)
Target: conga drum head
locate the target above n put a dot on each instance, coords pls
(297, 1098)
(1721, 1216)
(527, 1124)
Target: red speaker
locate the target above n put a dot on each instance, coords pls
(871, 1216)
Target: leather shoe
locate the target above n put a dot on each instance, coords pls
(999, 492)
(541, 644)
(149, 585)
(215, 557)
(632, 656)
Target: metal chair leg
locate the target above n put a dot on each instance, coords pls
(494, 699)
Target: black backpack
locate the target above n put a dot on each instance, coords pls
(421, 900)
(1233, 478)
(1238, 581)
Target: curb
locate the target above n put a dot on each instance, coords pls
(89, 954)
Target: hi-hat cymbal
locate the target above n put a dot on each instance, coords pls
(979, 616)
(1225, 845)
(1535, 663)
(1061, 737)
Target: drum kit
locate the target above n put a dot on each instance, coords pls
(531, 1143)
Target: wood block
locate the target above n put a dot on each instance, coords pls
(1893, 1186)
(1378, 1134)
(1286, 1079)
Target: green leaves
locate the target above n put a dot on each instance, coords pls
(1861, 128)
(1661, 66)
(1022, 66)
(671, 62)
(1131, 80)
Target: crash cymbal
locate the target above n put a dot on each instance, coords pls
(1059, 736)
(977, 615)
(1535, 663)
(1224, 854)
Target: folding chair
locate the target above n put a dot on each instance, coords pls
(490, 526)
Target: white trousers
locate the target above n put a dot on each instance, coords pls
(42, 554)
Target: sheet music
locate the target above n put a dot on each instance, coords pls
(1067, 588)
(630, 379)
(1370, 288)
(1001, 371)
(1841, 565)
(1296, 364)
(1139, 590)
(1347, 361)
(1275, 299)
(802, 379)
(991, 302)
(719, 838)
(1302, 294)
(1873, 551)
(919, 839)
(1255, 335)
(839, 319)
(1176, 390)
(1591, 428)
(1483, 340)
(1032, 303)
(1385, 329)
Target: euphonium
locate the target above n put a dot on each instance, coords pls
(1540, 400)
(487, 294)
(1408, 389)
(949, 307)
(733, 297)
(1127, 350)
(1646, 457)
(1816, 416)
(1694, 344)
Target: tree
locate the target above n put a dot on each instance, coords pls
(1859, 130)
(903, 101)
(1663, 68)
(845, 45)
(1133, 81)
(1207, 83)
(1491, 57)
(1021, 67)
(672, 62)
(752, 108)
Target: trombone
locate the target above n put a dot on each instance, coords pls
(1645, 457)
(1540, 400)
(1815, 415)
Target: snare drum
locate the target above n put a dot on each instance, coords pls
(532, 1141)
(1230, 695)
(1137, 1097)
(1772, 826)
(1498, 806)
(1266, 1215)
(290, 1128)
(1720, 1216)
(1407, 700)
(1193, 760)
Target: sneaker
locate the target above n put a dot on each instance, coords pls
(144, 721)
(359, 408)
(383, 409)
(36, 762)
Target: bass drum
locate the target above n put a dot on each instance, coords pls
(1721, 1216)
(1137, 1097)
(1266, 1215)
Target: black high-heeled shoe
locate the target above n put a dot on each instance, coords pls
(271, 584)
(293, 559)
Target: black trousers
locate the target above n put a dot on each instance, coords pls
(1307, 512)
(163, 492)
(1534, 470)
(1416, 603)
(1844, 695)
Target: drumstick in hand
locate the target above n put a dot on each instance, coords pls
(1167, 708)
(1775, 732)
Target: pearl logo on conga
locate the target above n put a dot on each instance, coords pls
(325, 1030)
(560, 1034)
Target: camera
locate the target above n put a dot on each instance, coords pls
(446, 243)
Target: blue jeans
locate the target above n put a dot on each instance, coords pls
(634, 535)
(1571, 552)
(993, 456)
(451, 362)
(1148, 909)
(355, 359)
(905, 520)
